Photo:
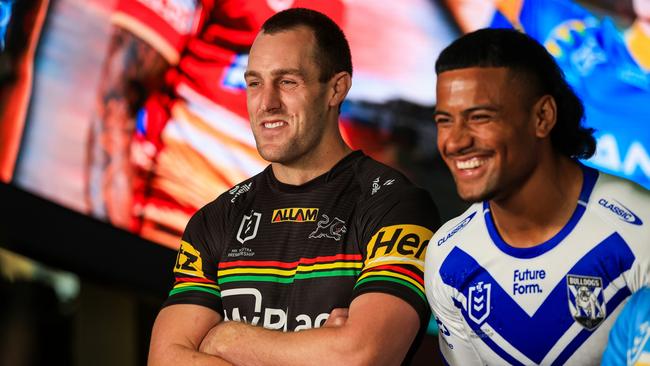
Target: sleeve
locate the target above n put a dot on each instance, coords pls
(637, 237)
(394, 235)
(195, 270)
(165, 25)
(453, 338)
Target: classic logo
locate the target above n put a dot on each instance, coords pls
(248, 227)
(296, 214)
(478, 307)
(399, 241)
(622, 212)
(236, 191)
(586, 301)
(333, 229)
(188, 260)
(456, 228)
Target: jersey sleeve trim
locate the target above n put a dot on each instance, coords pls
(184, 284)
(397, 275)
(179, 289)
(402, 281)
(147, 34)
(190, 296)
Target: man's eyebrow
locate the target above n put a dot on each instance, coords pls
(250, 73)
(278, 72)
(486, 107)
(437, 112)
(296, 72)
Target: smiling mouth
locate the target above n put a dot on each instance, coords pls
(472, 163)
(272, 125)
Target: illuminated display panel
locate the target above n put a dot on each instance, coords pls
(192, 143)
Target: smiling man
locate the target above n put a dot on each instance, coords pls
(319, 258)
(537, 269)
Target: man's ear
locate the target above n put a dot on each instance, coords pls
(340, 85)
(545, 115)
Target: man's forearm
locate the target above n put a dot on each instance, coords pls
(243, 344)
(378, 331)
(177, 334)
(180, 355)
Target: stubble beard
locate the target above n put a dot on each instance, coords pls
(296, 148)
(487, 192)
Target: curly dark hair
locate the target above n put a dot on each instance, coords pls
(332, 48)
(523, 55)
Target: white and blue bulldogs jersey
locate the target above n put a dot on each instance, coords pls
(552, 304)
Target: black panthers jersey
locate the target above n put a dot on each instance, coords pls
(283, 256)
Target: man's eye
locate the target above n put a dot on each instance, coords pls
(286, 82)
(252, 84)
(441, 120)
(480, 117)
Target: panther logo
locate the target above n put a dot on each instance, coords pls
(329, 229)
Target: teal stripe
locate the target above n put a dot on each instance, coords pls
(194, 288)
(298, 276)
(396, 280)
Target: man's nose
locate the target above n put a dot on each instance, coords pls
(457, 139)
(270, 99)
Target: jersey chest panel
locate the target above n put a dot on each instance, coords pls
(290, 258)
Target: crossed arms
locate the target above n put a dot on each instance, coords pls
(378, 330)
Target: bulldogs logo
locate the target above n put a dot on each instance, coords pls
(329, 229)
(586, 301)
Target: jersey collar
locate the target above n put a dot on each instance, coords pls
(590, 176)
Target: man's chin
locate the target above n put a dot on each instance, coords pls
(276, 156)
(474, 196)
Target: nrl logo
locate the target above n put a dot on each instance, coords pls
(478, 307)
(586, 301)
(248, 227)
(329, 229)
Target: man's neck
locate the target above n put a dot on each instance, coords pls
(542, 206)
(314, 164)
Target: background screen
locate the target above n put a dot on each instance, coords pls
(145, 163)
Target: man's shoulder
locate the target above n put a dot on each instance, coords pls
(455, 226)
(243, 190)
(380, 181)
(622, 187)
(233, 198)
(619, 201)
(457, 231)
